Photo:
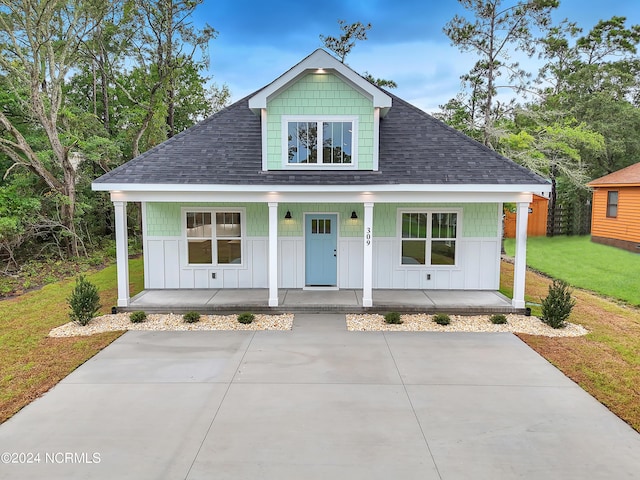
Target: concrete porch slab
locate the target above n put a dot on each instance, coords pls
(314, 301)
(321, 298)
(467, 298)
(241, 296)
(402, 298)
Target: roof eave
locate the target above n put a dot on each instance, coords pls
(478, 188)
(612, 185)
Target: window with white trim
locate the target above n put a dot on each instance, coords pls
(320, 141)
(214, 244)
(428, 238)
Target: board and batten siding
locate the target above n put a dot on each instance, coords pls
(626, 225)
(478, 265)
(320, 94)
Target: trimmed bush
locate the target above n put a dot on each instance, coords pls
(393, 318)
(246, 318)
(441, 319)
(191, 317)
(138, 316)
(84, 301)
(557, 306)
(498, 319)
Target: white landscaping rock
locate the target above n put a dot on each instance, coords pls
(461, 323)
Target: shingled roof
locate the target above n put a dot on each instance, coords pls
(627, 176)
(415, 148)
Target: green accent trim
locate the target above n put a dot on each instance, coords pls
(316, 94)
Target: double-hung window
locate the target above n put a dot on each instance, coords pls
(214, 237)
(316, 141)
(612, 203)
(429, 238)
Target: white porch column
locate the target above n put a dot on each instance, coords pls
(273, 254)
(520, 266)
(367, 279)
(122, 253)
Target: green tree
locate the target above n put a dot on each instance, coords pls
(556, 149)
(342, 46)
(492, 34)
(39, 45)
(595, 78)
(18, 214)
(168, 41)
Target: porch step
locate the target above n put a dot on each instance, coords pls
(232, 309)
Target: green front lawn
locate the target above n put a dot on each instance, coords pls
(31, 362)
(605, 270)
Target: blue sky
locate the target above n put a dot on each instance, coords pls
(261, 39)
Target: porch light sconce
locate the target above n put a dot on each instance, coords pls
(288, 215)
(354, 215)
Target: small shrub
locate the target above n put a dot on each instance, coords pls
(557, 306)
(498, 319)
(84, 301)
(393, 318)
(441, 319)
(246, 317)
(191, 317)
(138, 317)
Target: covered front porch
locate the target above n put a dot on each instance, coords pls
(208, 301)
(270, 272)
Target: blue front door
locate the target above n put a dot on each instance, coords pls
(321, 266)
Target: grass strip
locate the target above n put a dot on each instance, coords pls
(606, 270)
(30, 362)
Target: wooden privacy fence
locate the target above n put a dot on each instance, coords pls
(537, 223)
(570, 219)
(565, 219)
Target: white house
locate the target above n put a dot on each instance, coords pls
(321, 180)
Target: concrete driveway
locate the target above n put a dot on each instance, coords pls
(314, 403)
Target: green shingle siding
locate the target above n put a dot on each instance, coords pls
(164, 219)
(479, 220)
(316, 94)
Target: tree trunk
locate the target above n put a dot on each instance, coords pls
(135, 150)
(490, 74)
(106, 121)
(551, 222)
(171, 108)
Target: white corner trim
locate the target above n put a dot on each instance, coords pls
(265, 143)
(376, 139)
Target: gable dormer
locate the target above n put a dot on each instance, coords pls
(320, 115)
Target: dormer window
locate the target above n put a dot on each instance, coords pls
(319, 141)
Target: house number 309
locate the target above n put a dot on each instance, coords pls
(367, 236)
